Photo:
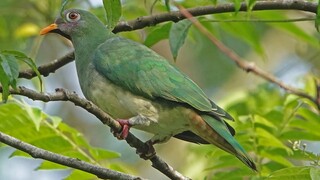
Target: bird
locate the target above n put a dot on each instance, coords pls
(141, 89)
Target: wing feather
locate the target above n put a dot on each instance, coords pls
(142, 71)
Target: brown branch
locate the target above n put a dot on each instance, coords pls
(75, 163)
(245, 65)
(176, 16)
(64, 95)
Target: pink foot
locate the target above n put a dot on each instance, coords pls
(125, 129)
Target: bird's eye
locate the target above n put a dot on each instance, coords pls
(73, 16)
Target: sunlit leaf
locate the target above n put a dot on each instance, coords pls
(76, 174)
(294, 173)
(99, 153)
(113, 12)
(33, 126)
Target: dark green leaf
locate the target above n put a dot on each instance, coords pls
(177, 36)
(4, 80)
(167, 3)
(113, 12)
(22, 57)
(158, 34)
(11, 68)
(317, 20)
(8, 74)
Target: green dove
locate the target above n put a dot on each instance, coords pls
(142, 89)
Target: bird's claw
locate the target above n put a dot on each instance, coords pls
(123, 134)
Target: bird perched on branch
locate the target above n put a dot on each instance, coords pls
(141, 89)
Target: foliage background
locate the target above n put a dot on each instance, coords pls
(278, 129)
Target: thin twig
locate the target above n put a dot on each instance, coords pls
(176, 16)
(258, 20)
(65, 95)
(245, 65)
(75, 163)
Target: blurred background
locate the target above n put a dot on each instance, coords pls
(288, 50)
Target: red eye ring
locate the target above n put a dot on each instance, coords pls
(73, 16)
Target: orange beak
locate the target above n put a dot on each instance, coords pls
(48, 29)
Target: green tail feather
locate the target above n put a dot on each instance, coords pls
(233, 147)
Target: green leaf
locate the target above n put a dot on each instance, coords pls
(33, 126)
(99, 153)
(36, 116)
(292, 28)
(4, 80)
(276, 158)
(11, 68)
(24, 58)
(314, 173)
(294, 173)
(251, 4)
(237, 6)
(77, 174)
(266, 139)
(113, 12)
(167, 3)
(158, 34)
(177, 36)
(9, 72)
(261, 120)
(317, 20)
(55, 121)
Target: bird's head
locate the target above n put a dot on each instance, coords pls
(75, 23)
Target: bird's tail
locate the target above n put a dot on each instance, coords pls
(216, 132)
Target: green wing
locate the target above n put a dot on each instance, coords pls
(142, 71)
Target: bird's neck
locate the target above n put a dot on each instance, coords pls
(84, 47)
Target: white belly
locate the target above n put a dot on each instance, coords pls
(164, 118)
